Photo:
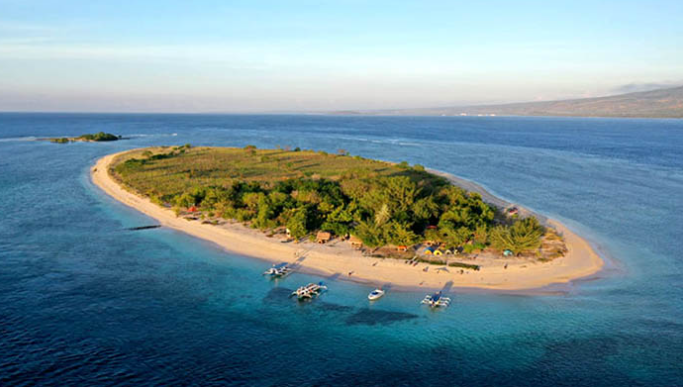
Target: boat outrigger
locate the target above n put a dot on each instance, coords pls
(278, 271)
(436, 300)
(375, 294)
(309, 291)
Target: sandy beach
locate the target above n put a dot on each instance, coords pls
(339, 260)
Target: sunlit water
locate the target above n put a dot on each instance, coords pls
(83, 301)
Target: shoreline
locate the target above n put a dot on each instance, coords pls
(338, 259)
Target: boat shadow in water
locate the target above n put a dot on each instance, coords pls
(277, 295)
(353, 315)
(368, 316)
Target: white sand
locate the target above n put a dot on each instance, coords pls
(339, 258)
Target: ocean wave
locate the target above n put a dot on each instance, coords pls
(140, 135)
(15, 139)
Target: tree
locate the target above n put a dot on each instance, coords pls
(481, 234)
(370, 234)
(383, 215)
(425, 208)
(524, 235)
(251, 149)
(401, 192)
(265, 214)
(185, 200)
(298, 223)
(252, 199)
(399, 233)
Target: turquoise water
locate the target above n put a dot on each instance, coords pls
(84, 301)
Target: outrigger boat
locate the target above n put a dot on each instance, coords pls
(375, 294)
(278, 271)
(309, 291)
(436, 300)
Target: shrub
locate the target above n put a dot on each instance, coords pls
(464, 265)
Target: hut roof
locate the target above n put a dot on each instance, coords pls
(324, 235)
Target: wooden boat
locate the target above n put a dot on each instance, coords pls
(309, 291)
(436, 300)
(278, 271)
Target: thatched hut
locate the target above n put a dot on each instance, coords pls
(323, 237)
(356, 242)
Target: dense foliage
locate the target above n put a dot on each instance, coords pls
(100, 136)
(378, 202)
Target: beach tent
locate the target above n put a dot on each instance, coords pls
(193, 209)
(508, 253)
(428, 251)
(402, 248)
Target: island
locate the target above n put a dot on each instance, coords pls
(346, 216)
(96, 137)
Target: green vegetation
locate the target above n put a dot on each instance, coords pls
(97, 137)
(307, 191)
(464, 265)
(100, 136)
(523, 235)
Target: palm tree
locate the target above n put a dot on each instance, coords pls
(383, 215)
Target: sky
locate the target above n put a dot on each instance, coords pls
(298, 55)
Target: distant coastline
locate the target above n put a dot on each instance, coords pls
(661, 103)
(340, 260)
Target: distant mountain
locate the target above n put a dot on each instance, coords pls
(663, 103)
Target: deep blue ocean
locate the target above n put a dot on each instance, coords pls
(84, 301)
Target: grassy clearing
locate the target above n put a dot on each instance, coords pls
(209, 166)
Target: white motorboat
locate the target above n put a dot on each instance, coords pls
(375, 294)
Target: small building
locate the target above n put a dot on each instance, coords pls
(428, 251)
(355, 242)
(323, 237)
(402, 248)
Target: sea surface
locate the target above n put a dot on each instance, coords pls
(84, 301)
